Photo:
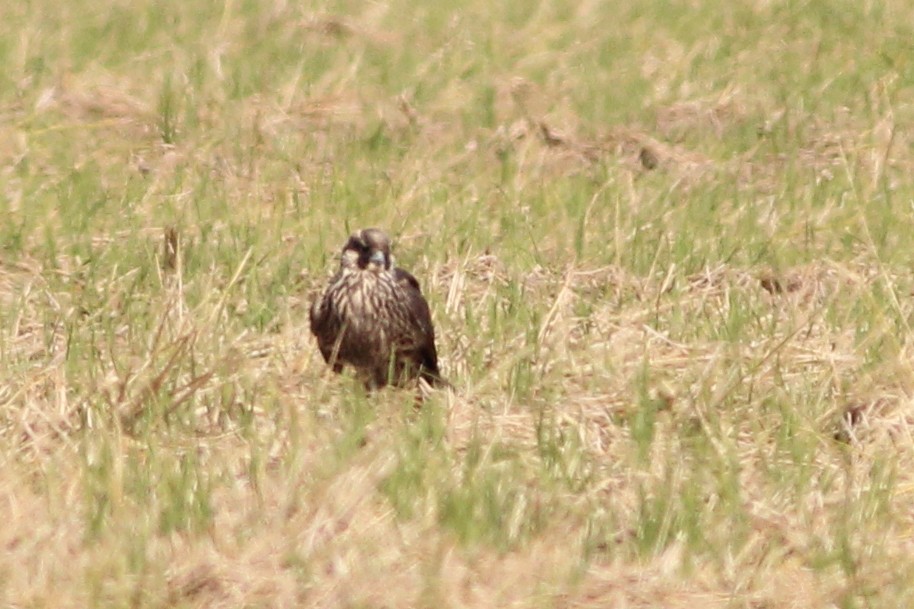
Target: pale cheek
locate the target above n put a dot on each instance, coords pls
(349, 259)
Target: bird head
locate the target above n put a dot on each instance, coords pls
(367, 249)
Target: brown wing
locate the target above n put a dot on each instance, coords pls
(425, 354)
(324, 328)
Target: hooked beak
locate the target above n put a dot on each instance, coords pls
(377, 258)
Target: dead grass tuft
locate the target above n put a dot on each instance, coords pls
(716, 114)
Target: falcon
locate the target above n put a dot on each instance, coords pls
(374, 318)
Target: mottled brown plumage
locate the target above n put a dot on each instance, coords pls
(374, 317)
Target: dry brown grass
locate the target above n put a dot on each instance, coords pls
(665, 247)
(286, 530)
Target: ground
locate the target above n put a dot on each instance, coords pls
(666, 248)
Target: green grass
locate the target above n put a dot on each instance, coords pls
(686, 385)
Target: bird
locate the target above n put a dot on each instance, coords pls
(373, 317)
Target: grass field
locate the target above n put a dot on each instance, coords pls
(667, 247)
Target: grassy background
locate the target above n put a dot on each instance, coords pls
(667, 251)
